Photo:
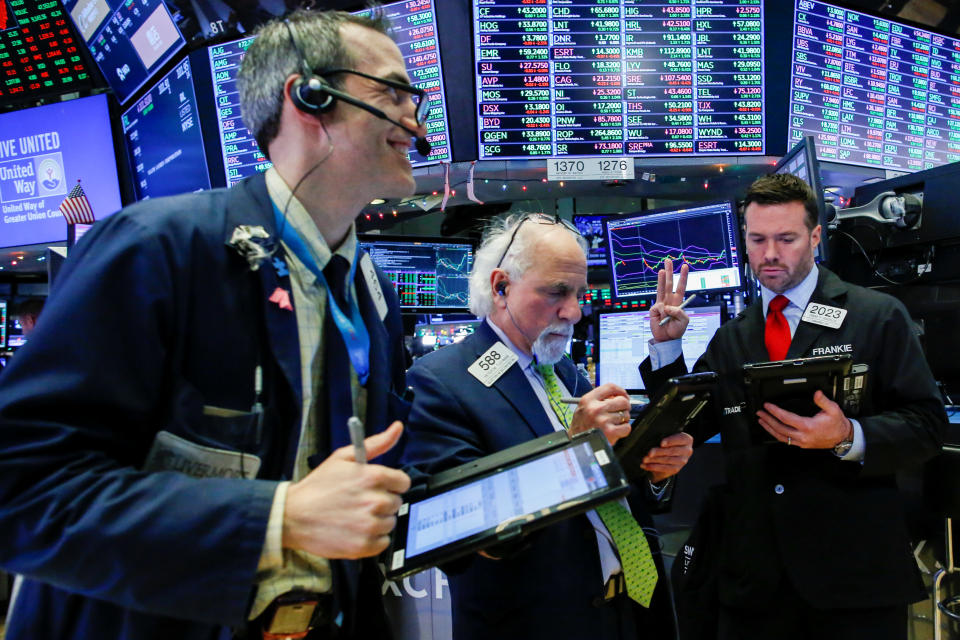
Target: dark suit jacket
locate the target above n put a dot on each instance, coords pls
(152, 318)
(545, 591)
(834, 529)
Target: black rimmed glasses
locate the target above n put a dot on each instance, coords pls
(420, 98)
(539, 218)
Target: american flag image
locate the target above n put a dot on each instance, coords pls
(76, 208)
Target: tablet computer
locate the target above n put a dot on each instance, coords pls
(500, 497)
(790, 384)
(671, 409)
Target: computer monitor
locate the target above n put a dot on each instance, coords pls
(432, 335)
(414, 29)
(801, 161)
(704, 236)
(163, 138)
(429, 273)
(590, 227)
(43, 152)
(623, 342)
(3, 324)
(129, 41)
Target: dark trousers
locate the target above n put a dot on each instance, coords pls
(789, 617)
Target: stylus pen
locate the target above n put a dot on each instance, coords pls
(682, 305)
(356, 438)
(633, 403)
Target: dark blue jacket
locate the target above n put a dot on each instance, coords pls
(553, 588)
(152, 318)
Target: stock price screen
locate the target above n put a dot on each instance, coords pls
(703, 237)
(587, 78)
(426, 274)
(38, 51)
(874, 92)
(413, 28)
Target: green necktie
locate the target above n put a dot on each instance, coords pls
(639, 570)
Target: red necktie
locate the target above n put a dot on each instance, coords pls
(777, 334)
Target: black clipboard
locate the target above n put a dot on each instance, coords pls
(502, 496)
(672, 408)
(790, 384)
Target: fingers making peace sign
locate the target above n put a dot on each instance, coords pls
(668, 304)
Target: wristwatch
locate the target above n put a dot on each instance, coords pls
(843, 447)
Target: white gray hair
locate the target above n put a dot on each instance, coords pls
(518, 258)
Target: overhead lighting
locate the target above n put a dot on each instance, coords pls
(377, 201)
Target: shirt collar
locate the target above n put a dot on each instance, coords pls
(523, 359)
(298, 217)
(799, 295)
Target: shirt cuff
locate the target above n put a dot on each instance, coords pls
(663, 353)
(859, 444)
(660, 489)
(271, 557)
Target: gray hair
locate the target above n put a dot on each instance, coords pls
(273, 57)
(517, 260)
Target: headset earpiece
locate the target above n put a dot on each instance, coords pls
(311, 95)
(310, 92)
(501, 288)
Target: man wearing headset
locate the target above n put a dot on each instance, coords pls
(572, 579)
(172, 443)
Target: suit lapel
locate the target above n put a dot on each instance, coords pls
(515, 388)
(750, 334)
(250, 204)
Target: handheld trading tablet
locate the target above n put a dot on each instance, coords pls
(677, 402)
(790, 384)
(501, 496)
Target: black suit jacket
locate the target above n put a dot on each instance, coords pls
(834, 529)
(548, 590)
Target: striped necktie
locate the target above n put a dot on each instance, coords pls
(639, 569)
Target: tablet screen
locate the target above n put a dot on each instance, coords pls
(486, 503)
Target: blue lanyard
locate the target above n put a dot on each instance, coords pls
(353, 330)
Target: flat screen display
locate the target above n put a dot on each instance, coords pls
(672, 78)
(426, 273)
(872, 91)
(622, 342)
(591, 228)
(511, 494)
(129, 39)
(39, 51)
(163, 137)
(702, 236)
(432, 336)
(413, 25)
(3, 323)
(43, 152)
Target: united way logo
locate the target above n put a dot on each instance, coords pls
(50, 179)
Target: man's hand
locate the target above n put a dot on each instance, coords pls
(606, 408)
(668, 304)
(343, 509)
(822, 431)
(671, 456)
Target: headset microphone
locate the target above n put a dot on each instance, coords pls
(423, 147)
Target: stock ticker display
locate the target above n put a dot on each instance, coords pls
(635, 77)
(38, 51)
(413, 26)
(426, 274)
(874, 92)
(703, 237)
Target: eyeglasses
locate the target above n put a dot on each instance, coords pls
(539, 218)
(419, 97)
